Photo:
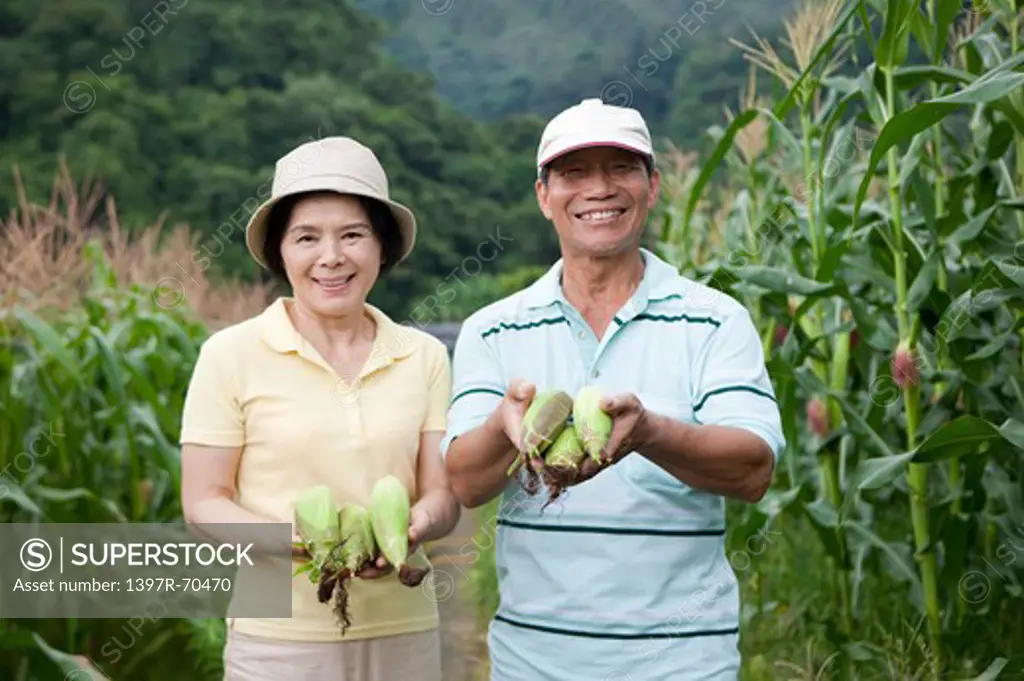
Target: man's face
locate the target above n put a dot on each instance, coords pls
(598, 199)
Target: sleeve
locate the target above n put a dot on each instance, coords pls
(732, 386)
(439, 388)
(212, 413)
(478, 384)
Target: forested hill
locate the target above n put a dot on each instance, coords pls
(183, 106)
(671, 58)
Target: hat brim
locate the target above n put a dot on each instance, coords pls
(571, 147)
(256, 228)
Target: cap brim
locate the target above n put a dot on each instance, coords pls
(618, 144)
(255, 230)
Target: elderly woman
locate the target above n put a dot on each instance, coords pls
(324, 388)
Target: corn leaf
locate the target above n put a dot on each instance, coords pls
(993, 671)
(891, 50)
(906, 124)
(901, 566)
(825, 521)
(923, 283)
(72, 666)
(909, 77)
(946, 12)
(780, 280)
(12, 492)
(964, 436)
(878, 471)
(49, 340)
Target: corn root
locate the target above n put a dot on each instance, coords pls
(562, 464)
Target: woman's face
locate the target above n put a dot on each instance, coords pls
(331, 255)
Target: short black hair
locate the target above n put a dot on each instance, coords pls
(382, 222)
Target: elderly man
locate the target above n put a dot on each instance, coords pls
(625, 577)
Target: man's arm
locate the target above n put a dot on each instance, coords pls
(478, 460)
(719, 459)
(484, 419)
(733, 447)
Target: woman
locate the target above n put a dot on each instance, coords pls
(323, 388)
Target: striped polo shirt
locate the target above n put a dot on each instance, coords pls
(625, 577)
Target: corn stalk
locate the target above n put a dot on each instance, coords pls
(915, 292)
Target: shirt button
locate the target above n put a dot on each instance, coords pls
(582, 334)
(595, 373)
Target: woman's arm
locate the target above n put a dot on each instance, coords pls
(208, 490)
(436, 513)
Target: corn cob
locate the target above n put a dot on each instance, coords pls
(319, 527)
(562, 464)
(359, 546)
(316, 521)
(358, 551)
(593, 425)
(390, 512)
(545, 419)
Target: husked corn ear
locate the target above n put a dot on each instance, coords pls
(565, 451)
(593, 425)
(316, 521)
(562, 464)
(389, 511)
(545, 419)
(358, 545)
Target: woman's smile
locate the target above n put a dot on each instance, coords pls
(334, 285)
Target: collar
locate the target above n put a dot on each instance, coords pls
(660, 279)
(392, 342)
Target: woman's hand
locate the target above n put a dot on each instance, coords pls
(299, 552)
(377, 570)
(420, 526)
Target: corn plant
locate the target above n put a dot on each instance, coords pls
(90, 402)
(876, 236)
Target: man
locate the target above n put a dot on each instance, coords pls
(625, 577)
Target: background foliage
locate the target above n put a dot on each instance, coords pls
(182, 108)
(862, 195)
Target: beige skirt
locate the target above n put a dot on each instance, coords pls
(408, 657)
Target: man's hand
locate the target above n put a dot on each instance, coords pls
(518, 398)
(630, 427)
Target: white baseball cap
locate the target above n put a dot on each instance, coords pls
(592, 123)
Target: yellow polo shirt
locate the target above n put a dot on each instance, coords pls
(261, 386)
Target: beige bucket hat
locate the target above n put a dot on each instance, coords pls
(339, 164)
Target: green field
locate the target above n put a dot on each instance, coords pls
(869, 214)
